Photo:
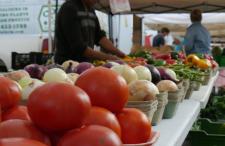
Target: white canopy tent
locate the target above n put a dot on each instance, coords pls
(174, 14)
(177, 23)
(167, 6)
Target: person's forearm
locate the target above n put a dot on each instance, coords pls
(92, 54)
(108, 45)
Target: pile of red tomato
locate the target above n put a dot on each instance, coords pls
(90, 113)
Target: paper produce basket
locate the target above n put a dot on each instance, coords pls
(207, 78)
(177, 95)
(171, 108)
(186, 85)
(147, 107)
(154, 137)
(190, 90)
(162, 96)
(196, 85)
(162, 102)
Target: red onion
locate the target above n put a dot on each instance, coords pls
(83, 66)
(35, 70)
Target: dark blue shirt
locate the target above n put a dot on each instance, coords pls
(158, 40)
(197, 39)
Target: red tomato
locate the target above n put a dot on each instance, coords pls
(103, 117)
(9, 93)
(20, 142)
(105, 88)
(0, 114)
(18, 112)
(22, 128)
(135, 126)
(55, 137)
(56, 107)
(93, 135)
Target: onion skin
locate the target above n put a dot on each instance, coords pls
(83, 66)
(50, 66)
(167, 85)
(36, 71)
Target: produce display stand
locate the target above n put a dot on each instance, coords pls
(204, 92)
(174, 131)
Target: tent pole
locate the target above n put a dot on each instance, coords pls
(56, 6)
(49, 27)
(110, 20)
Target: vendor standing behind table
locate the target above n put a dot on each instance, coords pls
(159, 39)
(78, 30)
(197, 38)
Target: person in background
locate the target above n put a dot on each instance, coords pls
(178, 43)
(78, 30)
(159, 39)
(197, 38)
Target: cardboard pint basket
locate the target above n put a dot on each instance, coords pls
(174, 98)
(207, 78)
(152, 140)
(162, 102)
(186, 85)
(147, 107)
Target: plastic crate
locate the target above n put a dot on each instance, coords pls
(40, 58)
(46, 57)
(222, 61)
(208, 133)
(20, 60)
(217, 58)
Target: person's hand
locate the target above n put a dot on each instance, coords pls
(120, 54)
(112, 57)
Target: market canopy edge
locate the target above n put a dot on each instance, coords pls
(167, 6)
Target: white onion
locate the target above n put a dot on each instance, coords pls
(66, 64)
(113, 63)
(167, 85)
(126, 72)
(55, 75)
(143, 73)
(141, 90)
(30, 88)
(73, 76)
(17, 75)
(25, 81)
(20, 88)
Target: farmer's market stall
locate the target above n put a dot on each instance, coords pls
(154, 83)
(204, 92)
(174, 131)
